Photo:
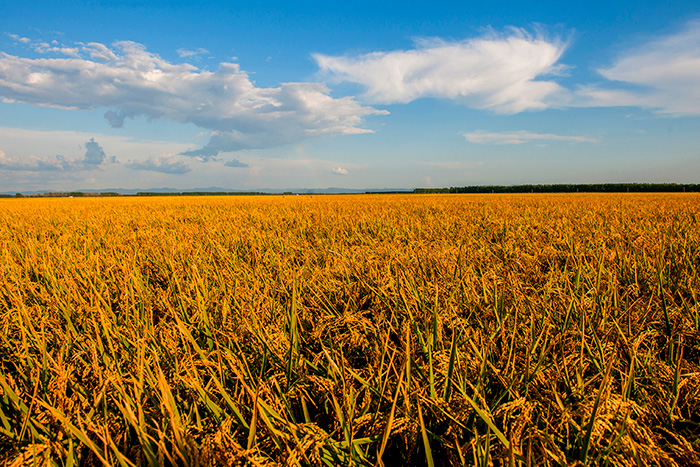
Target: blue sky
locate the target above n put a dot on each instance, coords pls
(241, 95)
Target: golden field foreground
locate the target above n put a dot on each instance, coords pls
(351, 330)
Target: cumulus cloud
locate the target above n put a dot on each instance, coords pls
(93, 159)
(662, 74)
(503, 73)
(340, 171)
(133, 81)
(236, 164)
(165, 163)
(521, 137)
(94, 155)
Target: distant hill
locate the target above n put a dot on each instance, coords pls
(555, 188)
(197, 191)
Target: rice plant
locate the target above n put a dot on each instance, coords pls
(351, 330)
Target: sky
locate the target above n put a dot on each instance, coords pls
(288, 95)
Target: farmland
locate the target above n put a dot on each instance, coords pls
(351, 330)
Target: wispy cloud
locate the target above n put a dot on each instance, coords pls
(500, 72)
(185, 53)
(18, 38)
(133, 81)
(44, 47)
(165, 163)
(521, 137)
(340, 171)
(662, 74)
(236, 164)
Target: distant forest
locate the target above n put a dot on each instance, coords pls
(571, 188)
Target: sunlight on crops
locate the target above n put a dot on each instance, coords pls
(338, 330)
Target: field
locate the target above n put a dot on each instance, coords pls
(351, 330)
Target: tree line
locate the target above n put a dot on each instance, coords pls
(570, 188)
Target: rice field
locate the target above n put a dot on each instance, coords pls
(351, 330)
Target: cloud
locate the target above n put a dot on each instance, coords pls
(43, 47)
(21, 142)
(37, 164)
(662, 74)
(94, 155)
(185, 53)
(502, 73)
(236, 164)
(17, 38)
(115, 119)
(340, 171)
(521, 137)
(165, 163)
(132, 82)
(94, 158)
(293, 112)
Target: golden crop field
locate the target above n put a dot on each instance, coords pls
(351, 330)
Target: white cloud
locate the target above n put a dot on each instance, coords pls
(185, 53)
(133, 81)
(521, 137)
(340, 171)
(17, 38)
(662, 74)
(43, 47)
(165, 163)
(497, 72)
